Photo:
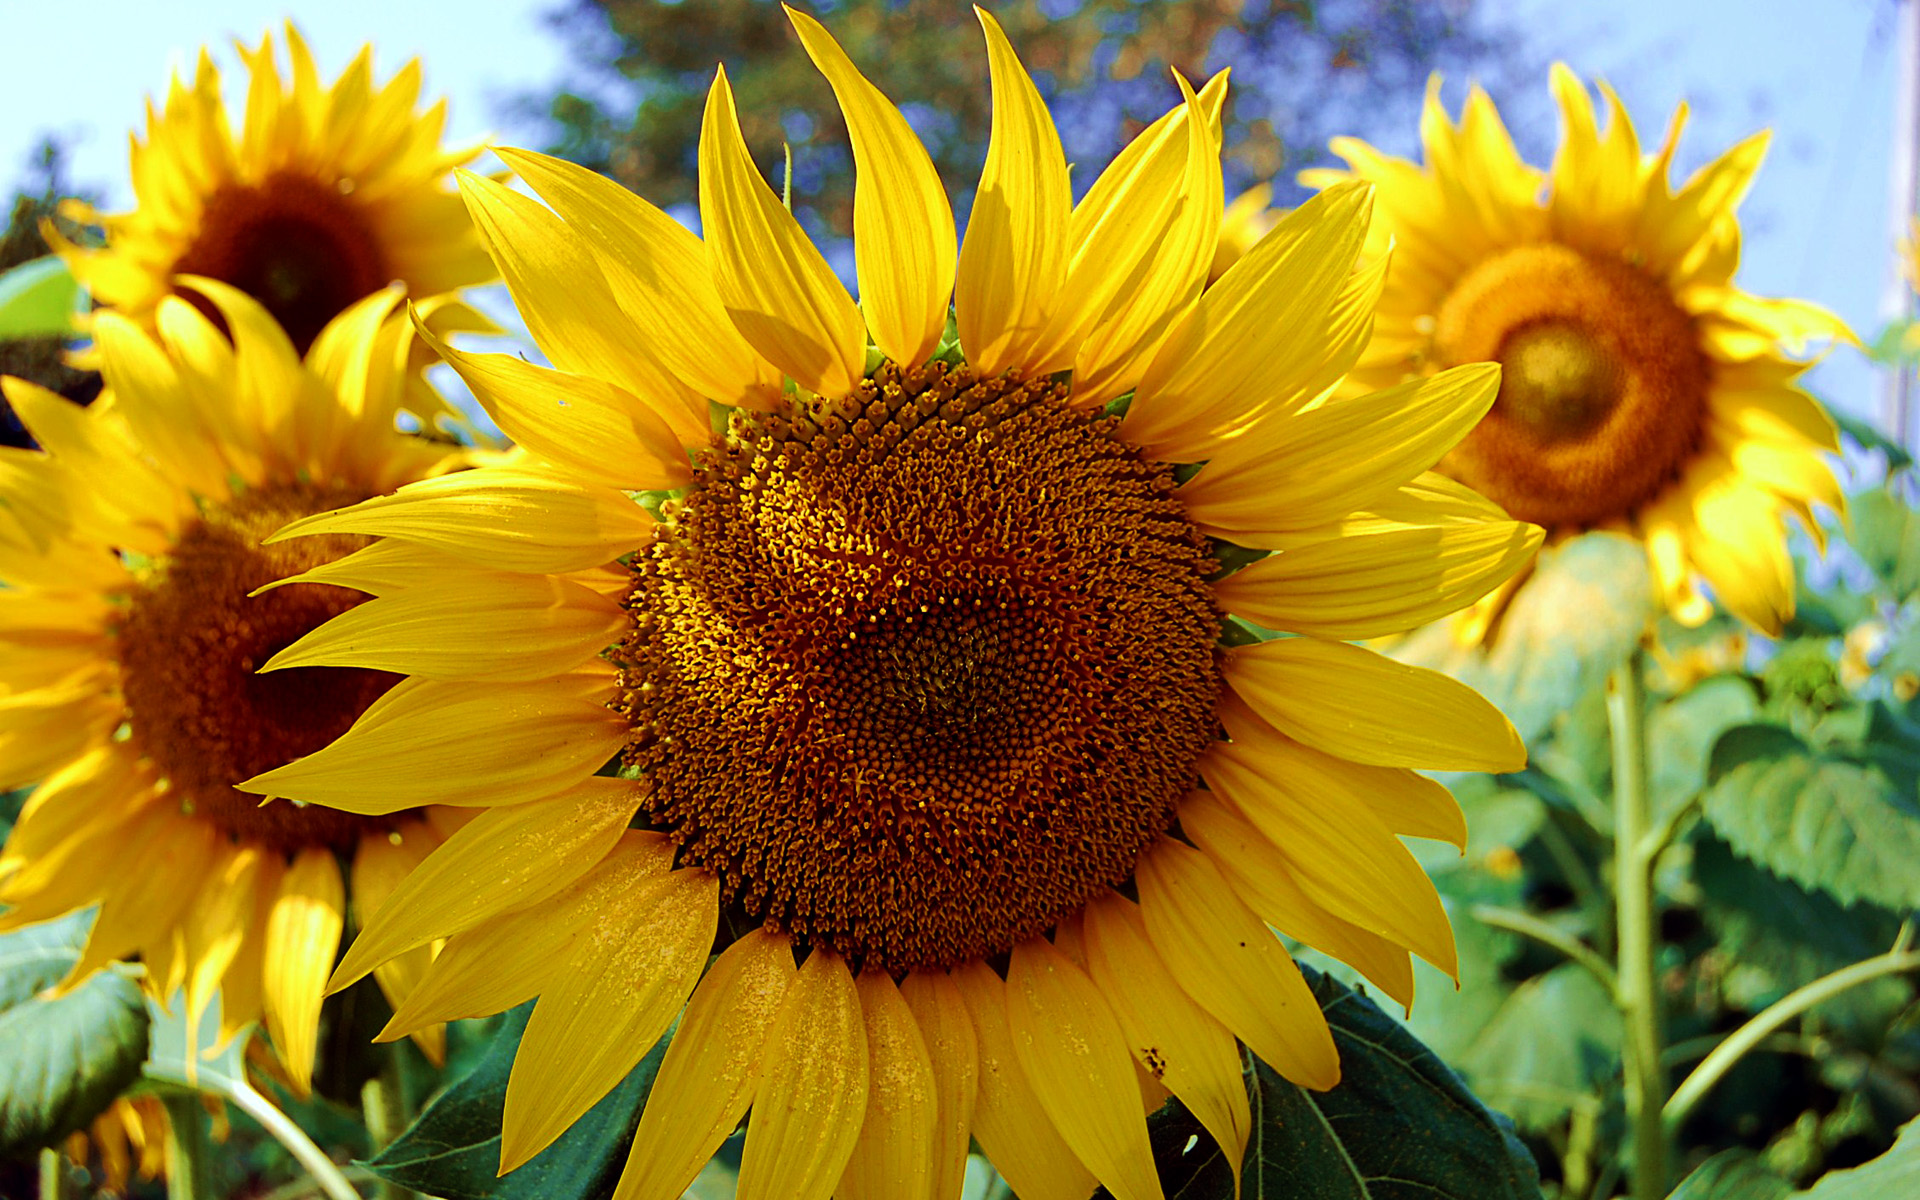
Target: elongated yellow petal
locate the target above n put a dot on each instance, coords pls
(893, 1158)
(1367, 584)
(1014, 260)
(940, 1014)
(1073, 1053)
(712, 1067)
(660, 275)
(1737, 541)
(1012, 1127)
(141, 909)
(1343, 854)
(491, 866)
(243, 986)
(385, 567)
(629, 973)
(593, 428)
(220, 919)
(1213, 377)
(1370, 709)
(303, 931)
(811, 1098)
(1264, 879)
(509, 518)
(96, 793)
(903, 237)
(507, 628)
(381, 863)
(1227, 960)
(563, 296)
(779, 291)
(1142, 240)
(471, 744)
(1320, 465)
(1176, 1040)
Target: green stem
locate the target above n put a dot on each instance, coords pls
(1634, 852)
(1715, 1065)
(187, 1161)
(311, 1158)
(53, 1175)
(383, 1100)
(1528, 925)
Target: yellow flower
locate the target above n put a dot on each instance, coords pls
(130, 548)
(325, 196)
(1642, 391)
(918, 661)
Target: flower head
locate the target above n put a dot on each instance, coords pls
(1641, 390)
(132, 548)
(919, 670)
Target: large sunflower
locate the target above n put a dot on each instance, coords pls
(920, 666)
(327, 195)
(1641, 392)
(130, 548)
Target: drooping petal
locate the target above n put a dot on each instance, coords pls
(893, 1160)
(903, 236)
(1013, 262)
(780, 292)
(1368, 708)
(712, 1067)
(628, 974)
(1073, 1053)
(940, 1014)
(1227, 960)
(1008, 1120)
(811, 1099)
(303, 931)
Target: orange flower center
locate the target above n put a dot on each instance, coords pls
(1603, 388)
(918, 672)
(190, 643)
(303, 248)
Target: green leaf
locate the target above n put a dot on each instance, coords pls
(1399, 1127)
(453, 1149)
(1793, 934)
(67, 1058)
(1826, 819)
(1885, 535)
(37, 299)
(1579, 615)
(1686, 728)
(1549, 1048)
(1894, 1174)
(1732, 1175)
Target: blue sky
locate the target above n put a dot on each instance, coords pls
(1817, 221)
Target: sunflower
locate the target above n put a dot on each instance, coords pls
(1641, 392)
(326, 196)
(130, 548)
(920, 671)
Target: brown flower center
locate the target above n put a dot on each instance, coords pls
(917, 672)
(303, 248)
(190, 643)
(1603, 388)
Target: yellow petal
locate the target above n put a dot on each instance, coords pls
(1212, 379)
(381, 569)
(587, 425)
(1227, 960)
(903, 237)
(947, 1032)
(141, 909)
(1367, 584)
(507, 858)
(1370, 709)
(1264, 878)
(1176, 1040)
(712, 1067)
(660, 275)
(303, 931)
(221, 918)
(1072, 1051)
(1343, 854)
(1008, 1120)
(1319, 465)
(242, 987)
(471, 744)
(807, 1113)
(893, 1159)
(381, 862)
(779, 291)
(628, 974)
(509, 518)
(1014, 260)
(1738, 541)
(506, 628)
